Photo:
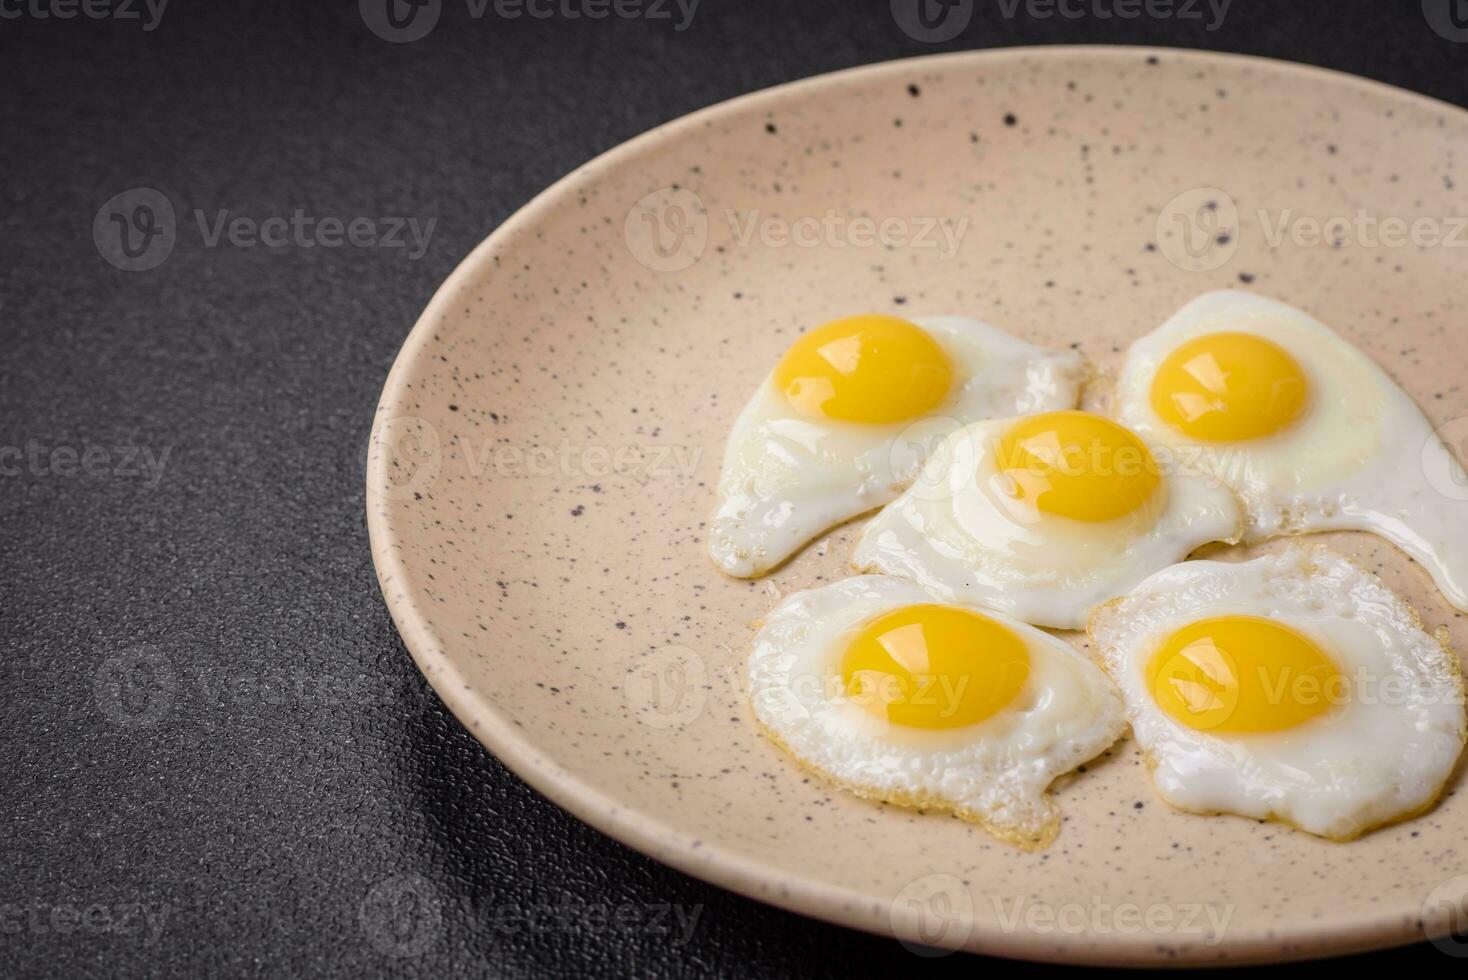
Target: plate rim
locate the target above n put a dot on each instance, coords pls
(647, 833)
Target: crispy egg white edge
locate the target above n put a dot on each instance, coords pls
(897, 542)
(995, 773)
(1328, 597)
(755, 528)
(1411, 513)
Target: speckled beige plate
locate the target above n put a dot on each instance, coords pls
(546, 447)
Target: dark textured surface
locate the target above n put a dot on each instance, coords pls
(208, 717)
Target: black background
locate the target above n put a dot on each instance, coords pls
(206, 709)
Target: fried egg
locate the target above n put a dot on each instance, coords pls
(1294, 687)
(1309, 432)
(842, 423)
(1044, 517)
(888, 692)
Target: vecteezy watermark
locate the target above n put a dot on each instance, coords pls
(933, 915)
(835, 230)
(567, 913)
(668, 230)
(411, 454)
(1444, 916)
(301, 230)
(1205, 922)
(667, 688)
(137, 230)
(90, 460)
(1207, 684)
(402, 916)
(1210, 13)
(936, 21)
(1363, 229)
(402, 21)
(139, 689)
(1449, 18)
(881, 695)
(127, 919)
(136, 689)
(414, 456)
(913, 457)
(1198, 230)
(149, 13)
(939, 459)
(932, 21)
(674, 463)
(1440, 466)
(937, 914)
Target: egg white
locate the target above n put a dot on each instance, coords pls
(787, 478)
(957, 534)
(995, 772)
(1382, 755)
(1358, 459)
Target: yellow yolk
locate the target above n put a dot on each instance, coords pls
(1228, 387)
(871, 369)
(1078, 465)
(1240, 674)
(933, 666)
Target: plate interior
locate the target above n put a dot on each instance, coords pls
(545, 454)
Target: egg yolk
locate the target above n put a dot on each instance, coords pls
(1240, 674)
(932, 666)
(873, 369)
(1228, 387)
(1078, 465)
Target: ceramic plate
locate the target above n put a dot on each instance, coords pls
(545, 452)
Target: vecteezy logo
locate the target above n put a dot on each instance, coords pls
(135, 689)
(1449, 18)
(411, 454)
(1443, 471)
(402, 916)
(400, 21)
(668, 229)
(932, 21)
(1198, 231)
(933, 915)
(135, 230)
(914, 459)
(668, 688)
(1445, 917)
